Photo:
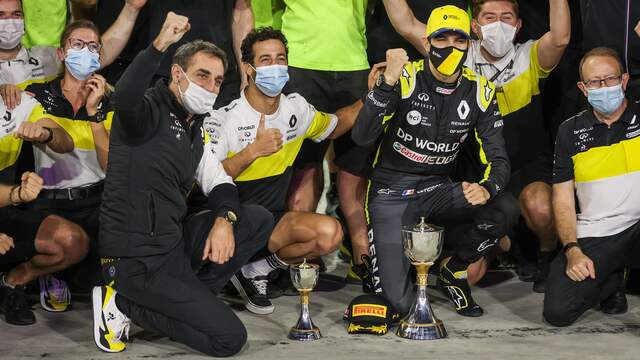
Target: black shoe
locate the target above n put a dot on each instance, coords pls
(543, 264)
(456, 288)
(15, 306)
(616, 303)
(254, 292)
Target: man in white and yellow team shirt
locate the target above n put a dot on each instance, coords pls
(257, 137)
(21, 66)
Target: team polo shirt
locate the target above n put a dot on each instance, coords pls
(326, 35)
(80, 167)
(604, 162)
(36, 65)
(10, 146)
(266, 181)
(517, 79)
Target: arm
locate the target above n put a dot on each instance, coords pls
(267, 142)
(28, 190)
(346, 118)
(241, 25)
(132, 110)
(552, 44)
(493, 153)
(37, 132)
(405, 23)
(116, 37)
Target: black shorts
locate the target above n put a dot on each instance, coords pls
(538, 170)
(22, 226)
(327, 91)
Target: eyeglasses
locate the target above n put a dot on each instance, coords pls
(608, 81)
(78, 44)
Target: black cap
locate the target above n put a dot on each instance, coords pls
(370, 314)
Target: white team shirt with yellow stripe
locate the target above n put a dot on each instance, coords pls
(36, 65)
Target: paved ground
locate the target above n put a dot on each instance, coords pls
(511, 328)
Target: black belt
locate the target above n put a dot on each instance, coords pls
(78, 193)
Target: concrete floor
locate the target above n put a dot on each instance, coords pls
(511, 328)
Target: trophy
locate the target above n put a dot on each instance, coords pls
(304, 277)
(422, 245)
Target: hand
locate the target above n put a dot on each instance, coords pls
(31, 132)
(396, 60)
(220, 242)
(267, 142)
(136, 4)
(96, 84)
(637, 28)
(173, 29)
(374, 74)
(6, 243)
(579, 266)
(475, 193)
(31, 184)
(10, 95)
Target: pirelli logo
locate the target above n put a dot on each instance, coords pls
(369, 310)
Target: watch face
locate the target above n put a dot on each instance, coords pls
(231, 216)
(380, 80)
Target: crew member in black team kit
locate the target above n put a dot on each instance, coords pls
(424, 111)
(165, 267)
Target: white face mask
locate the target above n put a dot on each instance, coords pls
(497, 38)
(11, 31)
(196, 100)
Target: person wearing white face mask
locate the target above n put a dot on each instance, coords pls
(257, 138)
(20, 66)
(597, 162)
(516, 70)
(159, 150)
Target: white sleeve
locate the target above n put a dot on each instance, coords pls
(216, 131)
(210, 172)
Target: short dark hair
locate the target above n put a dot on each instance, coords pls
(186, 51)
(78, 24)
(477, 6)
(257, 35)
(601, 51)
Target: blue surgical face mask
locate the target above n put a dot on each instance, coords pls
(271, 79)
(81, 63)
(606, 100)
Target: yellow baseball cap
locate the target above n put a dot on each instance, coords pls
(448, 18)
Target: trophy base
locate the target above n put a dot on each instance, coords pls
(305, 335)
(431, 331)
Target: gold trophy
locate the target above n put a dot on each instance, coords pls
(304, 277)
(422, 245)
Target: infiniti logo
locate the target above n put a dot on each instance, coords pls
(423, 97)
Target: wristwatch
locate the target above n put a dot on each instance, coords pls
(381, 83)
(231, 217)
(570, 245)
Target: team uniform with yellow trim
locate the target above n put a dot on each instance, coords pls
(604, 163)
(266, 181)
(35, 65)
(423, 124)
(517, 77)
(16, 221)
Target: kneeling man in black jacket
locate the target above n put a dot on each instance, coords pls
(163, 267)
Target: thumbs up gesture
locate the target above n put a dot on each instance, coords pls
(267, 142)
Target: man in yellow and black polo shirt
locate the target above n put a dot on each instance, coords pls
(597, 157)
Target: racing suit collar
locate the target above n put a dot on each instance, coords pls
(439, 86)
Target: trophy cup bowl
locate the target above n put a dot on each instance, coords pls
(304, 277)
(422, 245)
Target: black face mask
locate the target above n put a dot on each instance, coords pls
(448, 60)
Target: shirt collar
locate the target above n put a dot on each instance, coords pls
(627, 116)
(479, 59)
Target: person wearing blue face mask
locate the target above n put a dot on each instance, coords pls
(597, 158)
(257, 138)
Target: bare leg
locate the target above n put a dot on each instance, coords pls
(301, 235)
(59, 244)
(352, 189)
(535, 206)
(306, 189)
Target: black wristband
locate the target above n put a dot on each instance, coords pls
(570, 245)
(49, 138)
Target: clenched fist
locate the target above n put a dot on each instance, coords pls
(173, 29)
(267, 142)
(30, 186)
(396, 60)
(32, 132)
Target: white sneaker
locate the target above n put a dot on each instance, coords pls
(109, 323)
